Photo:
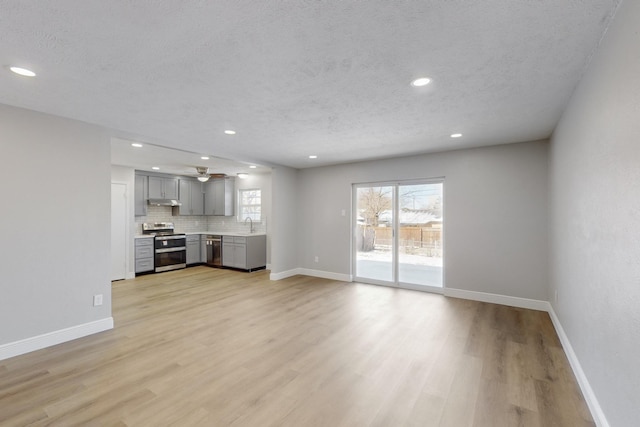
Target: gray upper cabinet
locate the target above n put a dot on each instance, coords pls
(197, 198)
(225, 195)
(140, 194)
(219, 197)
(191, 198)
(163, 188)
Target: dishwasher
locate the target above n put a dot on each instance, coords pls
(214, 250)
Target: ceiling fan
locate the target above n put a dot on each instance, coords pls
(204, 175)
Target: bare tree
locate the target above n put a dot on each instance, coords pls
(373, 201)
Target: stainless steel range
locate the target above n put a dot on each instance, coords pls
(170, 247)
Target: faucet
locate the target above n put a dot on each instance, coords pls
(250, 222)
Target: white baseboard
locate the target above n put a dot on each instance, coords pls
(532, 304)
(326, 274)
(284, 274)
(309, 272)
(38, 342)
(583, 382)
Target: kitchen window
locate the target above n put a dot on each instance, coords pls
(250, 204)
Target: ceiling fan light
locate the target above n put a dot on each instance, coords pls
(203, 173)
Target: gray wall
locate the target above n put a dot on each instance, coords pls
(284, 223)
(495, 215)
(55, 223)
(595, 220)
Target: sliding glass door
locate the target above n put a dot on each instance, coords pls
(420, 234)
(374, 233)
(398, 234)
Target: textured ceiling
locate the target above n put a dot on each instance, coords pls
(176, 162)
(295, 78)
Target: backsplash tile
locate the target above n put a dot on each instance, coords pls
(230, 223)
(188, 224)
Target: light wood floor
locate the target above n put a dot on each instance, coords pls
(207, 347)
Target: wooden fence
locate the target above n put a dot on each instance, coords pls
(410, 238)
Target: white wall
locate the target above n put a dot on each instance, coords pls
(595, 220)
(126, 175)
(495, 215)
(55, 226)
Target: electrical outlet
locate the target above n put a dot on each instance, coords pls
(555, 296)
(317, 259)
(343, 212)
(97, 300)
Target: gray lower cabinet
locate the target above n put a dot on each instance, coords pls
(141, 194)
(193, 249)
(244, 252)
(233, 254)
(203, 248)
(144, 254)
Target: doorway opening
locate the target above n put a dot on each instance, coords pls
(398, 234)
(119, 231)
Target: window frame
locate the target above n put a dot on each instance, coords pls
(241, 215)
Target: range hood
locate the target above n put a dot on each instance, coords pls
(164, 202)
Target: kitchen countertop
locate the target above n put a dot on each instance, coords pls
(227, 233)
(217, 233)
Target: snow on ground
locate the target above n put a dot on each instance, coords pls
(413, 259)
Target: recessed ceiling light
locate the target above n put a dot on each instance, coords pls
(204, 158)
(252, 167)
(422, 81)
(135, 144)
(242, 175)
(23, 71)
(230, 132)
(155, 168)
(313, 156)
(456, 135)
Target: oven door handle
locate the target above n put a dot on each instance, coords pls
(164, 251)
(175, 237)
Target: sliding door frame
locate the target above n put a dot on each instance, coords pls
(395, 282)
